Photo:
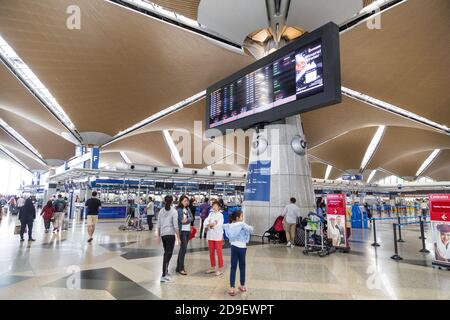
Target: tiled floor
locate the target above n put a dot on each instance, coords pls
(126, 265)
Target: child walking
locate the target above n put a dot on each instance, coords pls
(47, 214)
(238, 233)
(214, 234)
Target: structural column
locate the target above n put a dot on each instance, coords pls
(276, 173)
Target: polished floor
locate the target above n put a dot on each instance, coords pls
(126, 265)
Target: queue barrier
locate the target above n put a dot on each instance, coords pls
(398, 224)
(396, 256)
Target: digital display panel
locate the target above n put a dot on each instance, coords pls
(299, 77)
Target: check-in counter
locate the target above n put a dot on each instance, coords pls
(108, 211)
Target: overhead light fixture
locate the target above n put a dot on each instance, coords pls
(12, 156)
(125, 157)
(428, 161)
(25, 74)
(371, 175)
(389, 107)
(327, 172)
(373, 145)
(173, 148)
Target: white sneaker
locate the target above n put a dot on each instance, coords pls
(292, 245)
(168, 279)
(288, 244)
(164, 279)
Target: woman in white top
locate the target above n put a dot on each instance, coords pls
(150, 213)
(214, 227)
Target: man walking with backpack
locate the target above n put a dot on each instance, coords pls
(60, 206)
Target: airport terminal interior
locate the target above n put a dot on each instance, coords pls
(151, 150)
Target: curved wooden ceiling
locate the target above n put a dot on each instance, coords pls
(119, 68)
(406, 62)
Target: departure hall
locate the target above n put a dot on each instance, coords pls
(204, 150)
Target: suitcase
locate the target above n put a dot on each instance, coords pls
(299, 236)
(17, 229)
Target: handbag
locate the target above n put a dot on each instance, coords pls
(193, 233)
(17, 229)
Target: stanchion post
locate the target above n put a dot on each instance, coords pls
(395, 256)
(374, 244)
(422, 235)
(399, 230)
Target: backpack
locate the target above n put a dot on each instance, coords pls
(59, 205)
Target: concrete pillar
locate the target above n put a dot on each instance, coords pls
(289, 174)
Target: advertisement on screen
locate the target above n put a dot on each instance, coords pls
(439, 205)
(336, 210)
(258, 182)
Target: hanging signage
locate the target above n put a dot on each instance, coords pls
(439, 205)
(258, 182)
(356, 177)
(336, 211)
(95, 157)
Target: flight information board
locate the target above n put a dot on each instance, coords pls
(287, 78)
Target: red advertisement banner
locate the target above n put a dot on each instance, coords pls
(439, 205)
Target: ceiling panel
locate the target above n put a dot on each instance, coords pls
(119, 68)
(327, 123)
(346, 151)
(48, 144)
(407, 166)
(318, 170)
(149, 148)
(15, 98)
(406, 62)
(187, 8)
(20, 152)
(440, 167)
(398, 143)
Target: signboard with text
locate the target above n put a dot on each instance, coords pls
(439, 205)
(336, 210)
(258, 182)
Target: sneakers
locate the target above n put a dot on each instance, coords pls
(22, 240)
(212, 270)
(31, 239)
(289, 244)
(219, 273)
(165, 279)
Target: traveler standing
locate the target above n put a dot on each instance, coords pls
(214, 234)
(184, 226)
(150, 213)
(27, 214)
(204, 212)
(93, 206)
(47, 214)
(167, 230)
(424, 208)
(290, 213)
(238, 233)
(60, 206)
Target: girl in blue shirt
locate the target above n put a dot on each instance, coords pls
(238, 234)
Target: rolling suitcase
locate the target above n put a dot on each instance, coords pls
(299, 236)
(300, 233)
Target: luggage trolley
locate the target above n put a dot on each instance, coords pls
(316, 243)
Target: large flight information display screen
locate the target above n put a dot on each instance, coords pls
(293, 76)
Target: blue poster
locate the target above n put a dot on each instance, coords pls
(258, 182)
(95, 154)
